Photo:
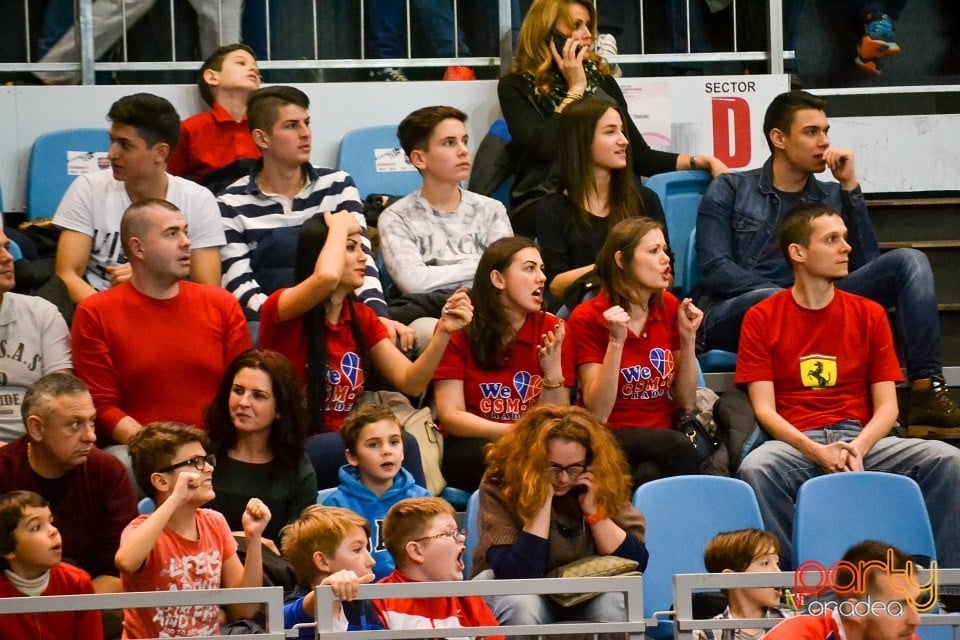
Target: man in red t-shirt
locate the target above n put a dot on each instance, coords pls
(820, 369)
(888, 602)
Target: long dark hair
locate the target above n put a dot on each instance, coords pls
(578, 126)
(289, 428)
(485, 332)
(313, 235)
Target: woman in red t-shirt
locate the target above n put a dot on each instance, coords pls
(333, 342)
(633, 349)
(506, 362)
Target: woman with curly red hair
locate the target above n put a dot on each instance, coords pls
(556, 489)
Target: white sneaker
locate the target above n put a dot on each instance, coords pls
(606, 45)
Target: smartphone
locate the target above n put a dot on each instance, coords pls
(559, 40)
(578, 490)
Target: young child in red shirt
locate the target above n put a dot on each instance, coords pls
(30, 553)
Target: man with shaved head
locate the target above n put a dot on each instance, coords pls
(154, 348)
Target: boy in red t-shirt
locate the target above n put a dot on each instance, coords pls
(422, 536)
(180, 546)
(213, 140)
(30, 553)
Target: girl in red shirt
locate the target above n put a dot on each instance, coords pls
(506, 362)
(633, 349)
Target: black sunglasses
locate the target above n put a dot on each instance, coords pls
(197, 462)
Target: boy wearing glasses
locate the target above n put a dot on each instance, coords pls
(373, 480)
(422, 536)
(181, 546)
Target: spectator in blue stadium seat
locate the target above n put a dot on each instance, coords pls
(262, 212)
(555, 66)
(821, 369)
(90, 257)
(556, 490)
(737, 248)
(431, 240)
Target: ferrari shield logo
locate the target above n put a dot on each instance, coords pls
(818, 371)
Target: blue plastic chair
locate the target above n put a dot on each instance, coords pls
(683, 513)
(323, 494)
(836, 510)
(680, 193)
(715, 359)
(15, 251)
(47, 177)
(359, 152)
(473, 532)
(146, 506)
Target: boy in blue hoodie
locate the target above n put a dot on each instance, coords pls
(373, 480)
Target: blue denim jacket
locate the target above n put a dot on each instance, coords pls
(737, 244)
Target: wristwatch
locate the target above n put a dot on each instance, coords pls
(693, 163)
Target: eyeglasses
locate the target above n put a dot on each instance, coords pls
(573, 471)
(452, 534)
(197, 462)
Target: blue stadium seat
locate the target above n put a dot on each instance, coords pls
(15, 251)
(473, 531)
(323, 494)
(680, 193)
(836, 510)
(48, 176)
(715, 359)
(146, 506)
(372, 156)
(683, 513)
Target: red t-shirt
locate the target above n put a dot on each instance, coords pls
(505, 394)
(345, 377)
(646, 366)
(821, 362)
(178, 564)
(826, 627)
(53, 625)
(457, 613)
(209, 141)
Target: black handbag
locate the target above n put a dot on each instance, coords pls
(699, 427)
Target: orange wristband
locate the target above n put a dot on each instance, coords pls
(595, 518)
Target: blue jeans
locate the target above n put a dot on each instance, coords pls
(900, 278)
(776, 470)
(534, 609)
(386, 28)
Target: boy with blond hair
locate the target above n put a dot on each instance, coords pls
(372, 481)
(744, 551)
(427, 546)
(181, 547)
(30, 556)
(328, 546)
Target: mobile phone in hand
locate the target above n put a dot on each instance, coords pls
(559, 40)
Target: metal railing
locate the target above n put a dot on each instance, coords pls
(271, 596)
(630, 586)
(685, 585)
(87, 65)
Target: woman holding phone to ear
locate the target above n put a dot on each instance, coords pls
(556, 490)
(546, 79)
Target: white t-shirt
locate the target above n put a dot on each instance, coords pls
(94, 205)
(34, 341)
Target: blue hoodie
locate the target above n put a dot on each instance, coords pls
(353, 495)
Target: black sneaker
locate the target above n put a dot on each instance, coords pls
(932, 413)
